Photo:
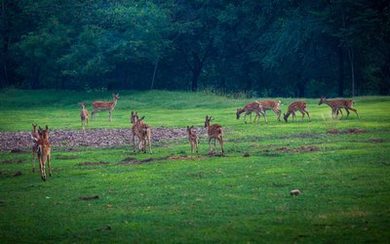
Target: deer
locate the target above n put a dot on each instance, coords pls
(142, 131)
(84, 116)
(193, 139)
(44, 151)
(214, 132)
(337, 104)
(296, 106)
(35, 137)
(249, 108)
(271, 105)
(99, 106)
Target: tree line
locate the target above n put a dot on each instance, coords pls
(291, 48)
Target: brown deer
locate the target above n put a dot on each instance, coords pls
(84, 116)
(44, 152)
(142, 131)
(296, 106)
(99, 106)
(249, 108)
(271, 105)
(193, 139)
(337, 104)
(35, 137)
(214, 132)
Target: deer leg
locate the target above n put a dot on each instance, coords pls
(34, 153)
(49, 163)
(220, 140)
(110, 116)
(245, 118)
(210, 143)
(93, 114)
(42, 167)
(354, 110)
(346, 109)
(303, 114)
(150, 145)
(307, 114)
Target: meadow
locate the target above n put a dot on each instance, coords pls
(341, 166)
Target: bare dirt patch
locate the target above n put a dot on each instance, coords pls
(20, 142)
(66, 157)
(376, 140)
(11, 161)
(92, 163)
(89, 198)
(300, 149)
(346, 131)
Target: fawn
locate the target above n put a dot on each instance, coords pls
(296, 106)
(193, 138)
(214, 132)
(249, 108)
(84, 116)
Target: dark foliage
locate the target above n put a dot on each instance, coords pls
(263, 47)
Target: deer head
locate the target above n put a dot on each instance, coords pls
(207, 121)
(322, 100)
(115, 96)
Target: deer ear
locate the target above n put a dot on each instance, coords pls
(143, 117)
(47, 127)
(188, 127)
(192, 126)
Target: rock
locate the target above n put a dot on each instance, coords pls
(295, 192)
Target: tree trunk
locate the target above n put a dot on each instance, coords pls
(351, 59)
(341, 72)
(4, 51)
(196, 70)
(154, 74)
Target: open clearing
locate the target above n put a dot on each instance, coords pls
(102, 191)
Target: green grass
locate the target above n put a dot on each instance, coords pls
(345, 183)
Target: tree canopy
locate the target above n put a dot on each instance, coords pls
(291, 48)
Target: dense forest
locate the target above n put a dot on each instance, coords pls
(291, 48)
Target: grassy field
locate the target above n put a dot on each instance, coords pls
(179, 197)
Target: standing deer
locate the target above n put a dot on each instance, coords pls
(296, 106)
(142, 131)
(35, 137)
(249, 108)
(193, 138)
(271, 105)
(215, 132)
(44, 151)
(337, 104)
(84, 116)
(99, 106)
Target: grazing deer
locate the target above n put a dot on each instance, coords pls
(193, 138)
(142, 131)
(84, 116)
(271, 105)
(44, 151)
(215, 132)
(249, 108)
(99, 106)
(35, 137)
(296, 106)
(337, 104)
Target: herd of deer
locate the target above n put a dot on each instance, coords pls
(142, 133)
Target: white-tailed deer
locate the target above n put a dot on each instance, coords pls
(84, 116)
(255, 107)
(193, 139)
(271, 105)
(35, 137)
(99, 106)
(296, 106)
(337, 104)
(214, 132)
(44, 151)
(142, 131)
